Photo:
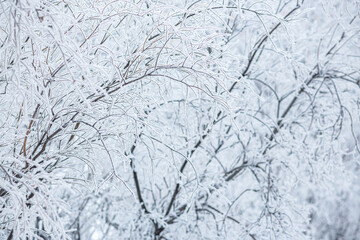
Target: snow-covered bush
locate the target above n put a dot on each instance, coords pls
(148, 119)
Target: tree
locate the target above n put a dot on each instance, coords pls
(179, 119)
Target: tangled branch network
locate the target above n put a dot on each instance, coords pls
(179, 119)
